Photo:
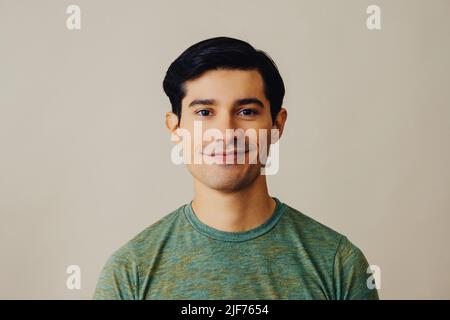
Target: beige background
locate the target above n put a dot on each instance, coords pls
(84, 154)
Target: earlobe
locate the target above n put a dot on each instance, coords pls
(280, 121)
(171, 121)
(172, 125)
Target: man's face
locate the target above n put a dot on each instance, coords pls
(220, 100)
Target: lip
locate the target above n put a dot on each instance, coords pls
(225, 154)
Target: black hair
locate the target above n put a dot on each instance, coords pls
(222, 53)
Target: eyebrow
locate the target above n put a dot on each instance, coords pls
(237, 103)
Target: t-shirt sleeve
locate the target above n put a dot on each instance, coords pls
(351, 273)
(118, 278)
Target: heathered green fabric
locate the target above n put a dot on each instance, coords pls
(290, 256)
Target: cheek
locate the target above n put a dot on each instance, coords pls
(260, 124)
(186, 119)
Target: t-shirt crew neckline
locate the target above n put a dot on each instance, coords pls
(234, 236)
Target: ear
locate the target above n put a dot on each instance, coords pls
(172, 123)
(280, 120)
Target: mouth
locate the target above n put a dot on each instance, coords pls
(222, 159)
(227, 154)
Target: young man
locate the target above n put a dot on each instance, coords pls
(233, 240)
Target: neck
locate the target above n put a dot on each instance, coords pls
(233, 212)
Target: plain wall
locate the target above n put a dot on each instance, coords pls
(85, 156)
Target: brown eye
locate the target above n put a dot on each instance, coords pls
(204, 112)
(247, 112)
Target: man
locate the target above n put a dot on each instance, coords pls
(233, 240)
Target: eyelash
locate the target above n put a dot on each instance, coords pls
(253, 112)
(199, 112)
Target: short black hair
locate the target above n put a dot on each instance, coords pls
(222, 53)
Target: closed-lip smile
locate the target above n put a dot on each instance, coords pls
(227, 153)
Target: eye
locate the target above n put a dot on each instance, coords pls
(204, 112)
(248, 112)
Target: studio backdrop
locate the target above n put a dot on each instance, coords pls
(85, 156)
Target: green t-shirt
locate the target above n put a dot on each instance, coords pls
(290, 256)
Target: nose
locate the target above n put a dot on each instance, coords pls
(226, 122)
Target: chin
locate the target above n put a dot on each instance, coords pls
(226, 178)
(225, 186)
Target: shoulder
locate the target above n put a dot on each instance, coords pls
(311, 231)
(149, 239)
(345, 261)
(322, 242)
(119, 278)
(317, 234)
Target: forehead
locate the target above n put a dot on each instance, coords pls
(223, 84)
